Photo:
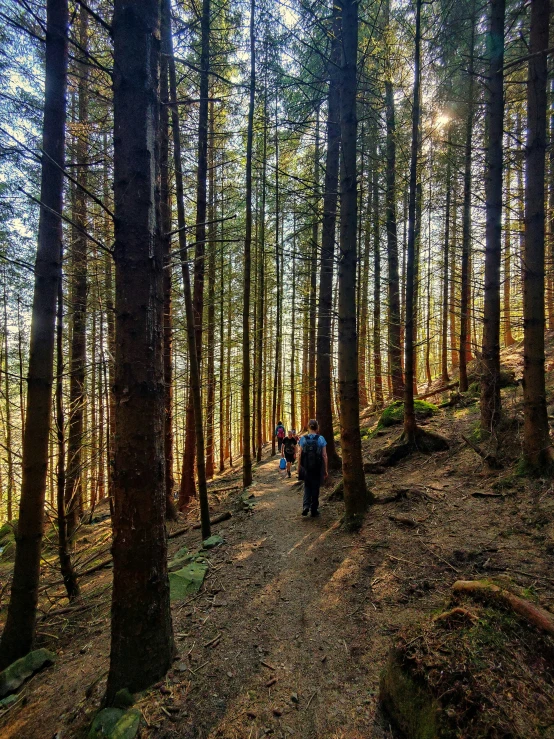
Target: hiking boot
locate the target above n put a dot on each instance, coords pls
(315, 514)
(290, 474)
(305, 511)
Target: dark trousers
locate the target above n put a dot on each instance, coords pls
(311, 494)
(279, 444)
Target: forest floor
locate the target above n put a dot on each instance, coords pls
(290, 633)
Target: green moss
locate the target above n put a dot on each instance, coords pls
(412, 708)
(394, 413)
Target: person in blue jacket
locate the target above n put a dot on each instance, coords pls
(313, 466)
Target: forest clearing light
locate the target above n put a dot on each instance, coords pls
(442, 120)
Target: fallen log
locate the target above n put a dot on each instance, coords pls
(218, 519)
(438, 391)
(489, 458)
(535, 615)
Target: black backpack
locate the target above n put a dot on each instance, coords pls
(311, 456)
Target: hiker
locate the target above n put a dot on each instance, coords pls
(289, 450)
(313, 467)
(280, 433)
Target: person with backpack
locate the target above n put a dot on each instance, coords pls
(289, 450)
(280, 433)
(313, 467)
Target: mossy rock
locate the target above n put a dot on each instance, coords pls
(188, 580)
(414, 710)
(7, 541)
(212, 541)
(394, 413)
(115, 723)
(180, 559)
(15, 675)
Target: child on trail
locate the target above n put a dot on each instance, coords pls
(280, 433)
(314, 465)
(289, 450)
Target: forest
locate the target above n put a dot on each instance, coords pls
(224, 218)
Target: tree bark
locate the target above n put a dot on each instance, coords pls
(377, 365)
(410, 427)
(165, 214)
(19, 631)
(490, 382)
(395, 346)
(466, 220)
(328, 234)
(210, 368)
(246, 455)
(536, 437)
(79, 290)
(142, 640)
(66, 567)
(507, 291)
(356, 496)
(444, 319)
(313, 280)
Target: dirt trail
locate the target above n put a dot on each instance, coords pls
(289, 599)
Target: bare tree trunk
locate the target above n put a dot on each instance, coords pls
(536, 437)
(19, 631)
(10, 483)
(490, 382)
(356, 495)
(313, 280)
(259, 334)
(210, 368)
(466, 221)
(507, 292)
(363, 307)
(376, 288)
(444, 320)
(395, 346)
(66, 567)
(278, 280)
(142, 639)
(165, 214)
(79, 266)
(330, 194)
(410, 427)
(246, 456)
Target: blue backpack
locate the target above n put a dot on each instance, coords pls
(282, 464)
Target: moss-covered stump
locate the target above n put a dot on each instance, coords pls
(476, 670)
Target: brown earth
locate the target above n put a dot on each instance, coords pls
(305, 612)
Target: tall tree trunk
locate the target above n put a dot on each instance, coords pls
(395, 346)
(278, 289)
(210, 369)
(453, 281)
(410, 427)
(66, 567)
(466, 220)
(142, 639)
(79, 290)
(490, 381)
(376, 288)
(507, 292)
(324, 409)
(246, 456)
(10, 483)
(19, 631)
(356, 495)
(188, 487)
(223, 391)
(260, 304)
(363, 308)
(194, 391)
(444, 318)
(165, 228)
(313, 280)
(536, 437)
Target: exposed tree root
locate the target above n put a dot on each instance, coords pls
(535, 615)
(427, 442)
